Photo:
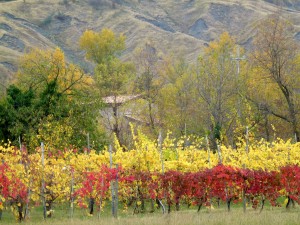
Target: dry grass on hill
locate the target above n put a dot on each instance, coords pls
(174, 27)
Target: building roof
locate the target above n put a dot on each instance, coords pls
(120, 99)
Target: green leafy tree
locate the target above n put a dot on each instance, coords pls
(51, 102)
(16, 110)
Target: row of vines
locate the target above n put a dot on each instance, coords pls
(165, 175)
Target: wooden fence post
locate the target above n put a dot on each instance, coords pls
(116, 187)
(113, 196)
(72, 192)
(43, 182)
(162, 164)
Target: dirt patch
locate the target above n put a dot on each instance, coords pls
(297, 36)
(156, 23)
(79, 22)
(4, 26)
(198, 30)
(12, 42)
(247, 44)
(63, 18)
(20, 21)
(11, 16)
(234, 17)
(9, 66)
(56, 23)
(291, 4)
(190, 4)
(99, 4)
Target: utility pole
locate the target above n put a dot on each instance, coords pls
(238, 59)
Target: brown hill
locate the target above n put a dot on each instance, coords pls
(174, 27)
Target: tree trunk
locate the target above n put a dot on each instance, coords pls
(116, 129)
(262, 205)
(162, 205)
(152, 125)
(290, 201)
(218, 202)
(266, 125)
(152, 206)
(291, 107)
(244, 201)
(142, 205)
(158, 203)
(91, 205)
(135, 210)
(20, 212)
(294, 120)
(177, 206)
(199, 206)
(49, 208)
(228, 201)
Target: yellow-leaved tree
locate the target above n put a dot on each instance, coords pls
(62, 107)
(112, 76)
(218, 88)
(275, 77)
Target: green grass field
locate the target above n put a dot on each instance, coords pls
(186, 216)
(267, 217)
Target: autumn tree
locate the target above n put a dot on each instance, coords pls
(103, 46)
(149, 83)
(51, 102)
(111, 74)
(275, 59)
(177, 102)
(217, 87)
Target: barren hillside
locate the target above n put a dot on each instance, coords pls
(179, 27)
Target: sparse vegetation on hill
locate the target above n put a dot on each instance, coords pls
(188, 25)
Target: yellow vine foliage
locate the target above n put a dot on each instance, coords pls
(68, 167)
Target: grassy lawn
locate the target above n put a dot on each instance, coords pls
(185, 216)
